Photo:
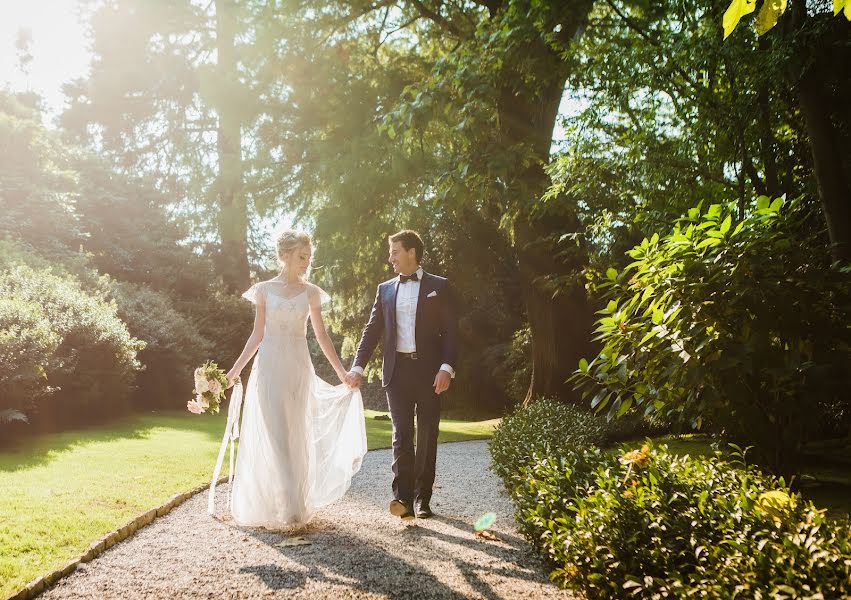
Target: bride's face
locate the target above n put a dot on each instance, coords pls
(299, 260)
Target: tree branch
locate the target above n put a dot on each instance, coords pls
(437, 18)
(493, 6)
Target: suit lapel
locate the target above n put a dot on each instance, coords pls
(425, 289)
(392, 291)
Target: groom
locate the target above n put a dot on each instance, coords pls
(415, 316)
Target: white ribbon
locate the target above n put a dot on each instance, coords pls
(231, 434)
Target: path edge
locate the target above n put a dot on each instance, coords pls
(41, 583)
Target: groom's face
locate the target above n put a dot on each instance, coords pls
(403, 261)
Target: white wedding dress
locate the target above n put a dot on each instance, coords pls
(301, 439)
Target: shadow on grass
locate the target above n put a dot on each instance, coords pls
(32, 451)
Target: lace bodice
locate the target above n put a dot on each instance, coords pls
(285, 315)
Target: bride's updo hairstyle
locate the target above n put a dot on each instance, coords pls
(288, 241)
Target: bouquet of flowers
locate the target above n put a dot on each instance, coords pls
(210, 384)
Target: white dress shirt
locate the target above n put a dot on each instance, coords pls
(407, 296)
(406, 314)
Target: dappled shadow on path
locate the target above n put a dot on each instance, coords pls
(442, 559)
(275, 577)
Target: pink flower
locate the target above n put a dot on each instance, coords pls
(194, 407)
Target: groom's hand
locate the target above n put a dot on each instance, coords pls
(441, 381)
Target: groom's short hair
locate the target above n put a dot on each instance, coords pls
(410, 239)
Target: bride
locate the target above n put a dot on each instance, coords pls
(302, 439)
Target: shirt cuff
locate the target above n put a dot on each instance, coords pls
(358, 370)
(448, 369)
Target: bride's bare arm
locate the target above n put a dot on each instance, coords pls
(325, 340)
(251, 345)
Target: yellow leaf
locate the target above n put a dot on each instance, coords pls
(848, 10)
(735, 12)
(769, 14)
(837, 6)
(487, 535)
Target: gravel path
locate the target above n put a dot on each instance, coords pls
(359, 550)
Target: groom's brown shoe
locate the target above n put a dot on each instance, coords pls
(401, 509)
(422, 510)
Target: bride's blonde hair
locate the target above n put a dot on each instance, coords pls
(288, 241)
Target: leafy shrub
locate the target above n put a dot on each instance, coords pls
(517, 365)
(173, 345)
(654, 525)
(743, 322)
(27, 346)
(635, 426)
(545, 427)
(94, 364)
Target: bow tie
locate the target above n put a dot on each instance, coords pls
(406, 278)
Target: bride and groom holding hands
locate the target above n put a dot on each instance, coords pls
(303, 439)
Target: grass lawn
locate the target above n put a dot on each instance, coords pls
(61, 492)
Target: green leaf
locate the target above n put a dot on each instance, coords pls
(777, 204)
(583, 365)
(598, 397)
(708, 242)
(624, 407)
(734, 14)
(769, 14)
(611, 274)
(762, 202)
(612, 306)
(725, 226)
(646, 337)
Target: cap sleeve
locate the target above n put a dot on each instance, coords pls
(255, 294)
(318, 295)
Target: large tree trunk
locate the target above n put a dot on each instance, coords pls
(834, 192)
(559, 319)
(232, 210)
(812, 86)
(560, 324)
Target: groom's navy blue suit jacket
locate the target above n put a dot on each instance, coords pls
(436, 330)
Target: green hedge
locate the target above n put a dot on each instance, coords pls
(92, 368)
(545, 427)
(27, 346)
(173, 345)
(646, 523)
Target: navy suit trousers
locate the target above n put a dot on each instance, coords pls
(410, 393)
